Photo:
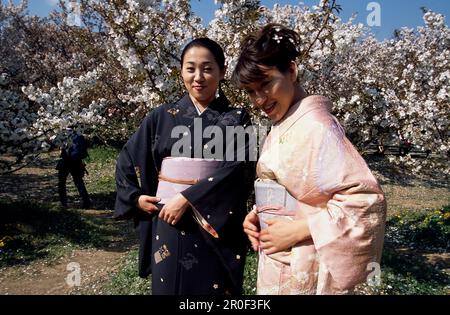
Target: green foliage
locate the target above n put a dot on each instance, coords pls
(393, 283)
(102, 154)
(105, 185)
(100, 182)
(420, 229)
(408, 272)
(250, 272)
(410, 237)
(399, 284)
(127, 281)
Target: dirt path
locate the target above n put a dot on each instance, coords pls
(38, 181)
(42, 278)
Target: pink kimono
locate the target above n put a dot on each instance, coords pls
(307, 153)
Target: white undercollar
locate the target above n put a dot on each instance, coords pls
(198, 110)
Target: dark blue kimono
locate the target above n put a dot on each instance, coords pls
(186, 259)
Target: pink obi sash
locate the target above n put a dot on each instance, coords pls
(178, 174)
(273, 200)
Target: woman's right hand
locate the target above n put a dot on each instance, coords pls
(251, 228)
(147, 203)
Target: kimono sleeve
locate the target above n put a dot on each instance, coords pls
(345, 209)
(223, 195)
(135, 172)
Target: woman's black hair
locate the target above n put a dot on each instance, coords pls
(209, 44)
(273, 46)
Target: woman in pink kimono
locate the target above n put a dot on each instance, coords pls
(319, 217)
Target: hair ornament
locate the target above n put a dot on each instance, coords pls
(277, 38)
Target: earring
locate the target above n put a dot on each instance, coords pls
(217, 92)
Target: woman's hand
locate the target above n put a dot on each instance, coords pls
(281, 235)
(251, 228)
(174, 209)
(147, 203)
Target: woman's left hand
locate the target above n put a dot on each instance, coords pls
(174, 209)
(281, 235)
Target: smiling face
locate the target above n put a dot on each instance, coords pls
(201, 75)
(275, 94)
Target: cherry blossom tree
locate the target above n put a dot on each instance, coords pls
(124, 60)
(40, 56)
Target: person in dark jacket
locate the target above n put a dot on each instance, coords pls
(71, 162)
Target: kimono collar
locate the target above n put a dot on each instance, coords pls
(217, 105)
(301, 108)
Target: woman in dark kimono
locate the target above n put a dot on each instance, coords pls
(191, 243)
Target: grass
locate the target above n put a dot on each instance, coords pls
(417, 226)
(394, 283)
(250, 271)
(124, 282)
(100, 182)
(411, 236)
(405, 198)
(102, 155)
(127, 280)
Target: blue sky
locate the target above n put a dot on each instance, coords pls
(394, 13)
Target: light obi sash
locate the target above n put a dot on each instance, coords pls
(180, 173)
(290, 271)
(272, 201)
